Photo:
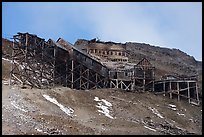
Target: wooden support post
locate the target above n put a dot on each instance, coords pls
(109, 79)
(25, 55)
(153, 86)
(116, 83)
(66, 73)
(80, 73)
(178, 91)
(133, 81)
(96, 80)
(197, 94)
(88, 79)
(153, 80)
(189, 100)
(11, 71)
(170, 94)
(144, 82)
(164, 89)
(120, 84)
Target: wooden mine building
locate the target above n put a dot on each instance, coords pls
(87, 65)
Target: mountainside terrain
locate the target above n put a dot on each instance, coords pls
(62, 110)
(104, 111)
(166, 61)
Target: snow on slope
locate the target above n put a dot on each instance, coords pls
(69, 111)
(104, 105)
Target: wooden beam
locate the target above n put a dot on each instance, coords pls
(164, 89)
(188, 92)
(178, 91)
(197, 93)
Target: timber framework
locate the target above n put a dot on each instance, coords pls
(88, 65)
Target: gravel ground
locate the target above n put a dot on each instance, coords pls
(95, 112)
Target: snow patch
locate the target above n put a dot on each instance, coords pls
(104, 108)
(5, 82)
(96, 99)
(191, 120)
(106, 103)
(150, 128)
(69, 111)
(17, 106)
(180, 114)
(155, 111)
(40, 130)
(173, 107)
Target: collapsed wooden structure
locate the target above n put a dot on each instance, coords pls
(45, 64)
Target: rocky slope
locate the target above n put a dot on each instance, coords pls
(64, 111)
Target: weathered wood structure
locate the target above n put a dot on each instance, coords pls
(123, 75)
(41, 64)
(44, 64)
(136, 77)
(178, 87)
